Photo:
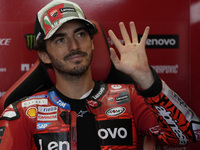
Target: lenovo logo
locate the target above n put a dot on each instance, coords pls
(52, 141)
(55, 145)
(162, 41)
(116, 132)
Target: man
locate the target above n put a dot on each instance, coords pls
(80, 113)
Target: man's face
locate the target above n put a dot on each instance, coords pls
(70, 49)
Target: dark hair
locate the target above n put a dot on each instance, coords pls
(40, 44)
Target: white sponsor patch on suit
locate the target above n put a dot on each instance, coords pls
(34, 102)
(51, 117)
(47, 109)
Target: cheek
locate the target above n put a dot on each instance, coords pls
(59, 53)
(89, 46)
(56, 52)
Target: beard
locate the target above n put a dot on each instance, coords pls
(78, 70)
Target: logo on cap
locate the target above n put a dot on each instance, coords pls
(54, 13)
(67, 9)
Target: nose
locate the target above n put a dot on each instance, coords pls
(74, 44)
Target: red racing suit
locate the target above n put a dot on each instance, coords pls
(121, 112)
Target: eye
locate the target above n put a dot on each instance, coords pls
(60, 40)
(81, 34)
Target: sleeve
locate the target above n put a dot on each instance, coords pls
(14, 132)
(177, 123)
(143, 116)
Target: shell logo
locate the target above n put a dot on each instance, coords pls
(31, 112)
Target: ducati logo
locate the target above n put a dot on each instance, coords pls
(54, 13)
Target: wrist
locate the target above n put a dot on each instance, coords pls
(154, 89)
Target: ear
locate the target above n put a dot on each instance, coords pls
(44, 57)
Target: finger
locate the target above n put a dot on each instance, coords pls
(124, 33)
(114, 57)
(114, 39)
(145, 35)
(134, 35)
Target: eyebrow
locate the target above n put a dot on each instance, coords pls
(63, 34)
(57, 35)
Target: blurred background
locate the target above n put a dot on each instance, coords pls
(173, 44)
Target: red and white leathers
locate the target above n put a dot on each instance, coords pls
(44, 121)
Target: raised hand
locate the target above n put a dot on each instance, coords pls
(133, 58)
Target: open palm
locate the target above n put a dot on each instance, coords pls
(133, 58)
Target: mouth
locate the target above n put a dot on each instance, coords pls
(75, 55)
(75, 58)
